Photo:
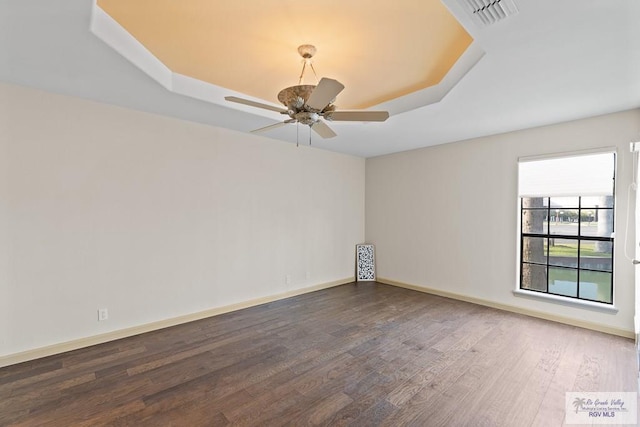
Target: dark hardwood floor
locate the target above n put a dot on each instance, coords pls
(363, 355)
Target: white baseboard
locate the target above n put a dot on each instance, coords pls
(38, 353)
(533, 313)
(50, 350)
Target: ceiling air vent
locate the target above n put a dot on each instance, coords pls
(488, 12)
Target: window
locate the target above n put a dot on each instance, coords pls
(566, 226)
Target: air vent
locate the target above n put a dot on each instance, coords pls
(489, 12)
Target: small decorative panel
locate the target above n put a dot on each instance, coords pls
(365, 263)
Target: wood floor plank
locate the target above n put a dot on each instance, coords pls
(321, 410)
(365, 393)
(362, 354)
(459, 394)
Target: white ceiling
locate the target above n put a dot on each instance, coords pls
(554, 61)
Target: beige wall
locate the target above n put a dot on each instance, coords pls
(4, 225)
(445, 217)
(155, 218)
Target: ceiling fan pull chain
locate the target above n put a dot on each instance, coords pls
(297, 134)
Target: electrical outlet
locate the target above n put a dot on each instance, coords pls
(103, 314)
(308, 275)
(287, 279)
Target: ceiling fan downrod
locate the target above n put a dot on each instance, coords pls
(307, 51)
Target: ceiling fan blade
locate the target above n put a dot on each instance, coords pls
(324, 93)
(323, 130)
(255, 104)
(274, 126)
(359, 116)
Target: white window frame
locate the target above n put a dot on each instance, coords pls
(552, 298)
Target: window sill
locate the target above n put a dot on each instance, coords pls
(571, 302)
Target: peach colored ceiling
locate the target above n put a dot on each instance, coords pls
(379, 50)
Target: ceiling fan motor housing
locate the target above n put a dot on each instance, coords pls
(295, 99)
(289, 97)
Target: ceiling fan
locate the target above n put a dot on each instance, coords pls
(309, 104)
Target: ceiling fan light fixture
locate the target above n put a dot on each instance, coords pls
(307, 117)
